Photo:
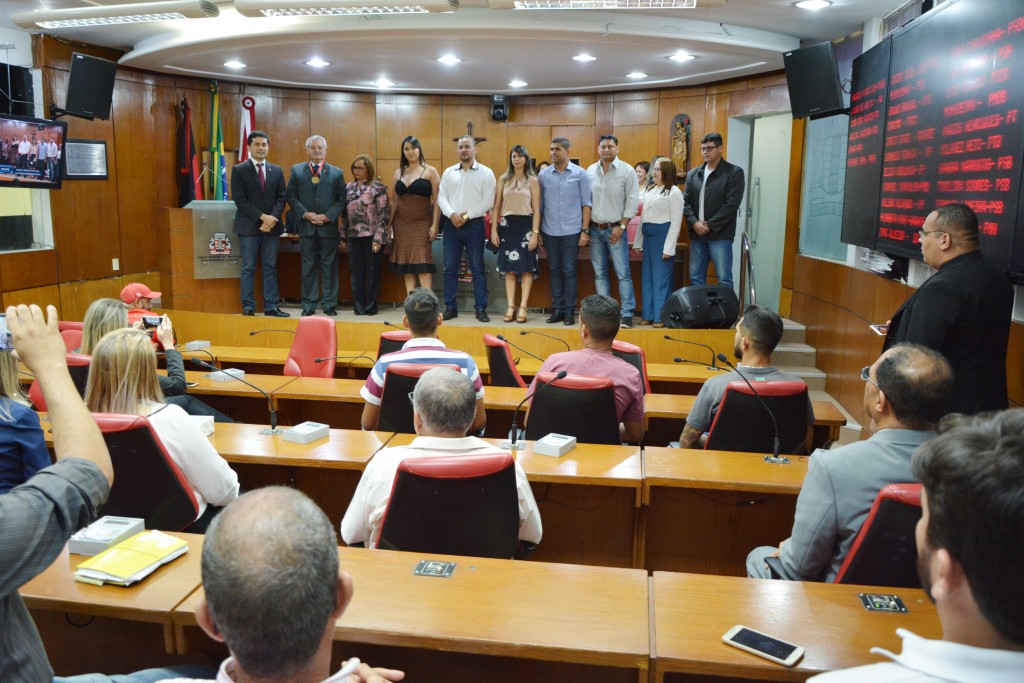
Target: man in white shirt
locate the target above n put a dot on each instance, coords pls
(444, 405)
(970, 544)
(466, 194)
(615, 193)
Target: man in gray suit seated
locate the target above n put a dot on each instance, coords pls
(906, 393)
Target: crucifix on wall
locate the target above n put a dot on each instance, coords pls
(469, 133)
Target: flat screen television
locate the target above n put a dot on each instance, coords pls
(26, 156)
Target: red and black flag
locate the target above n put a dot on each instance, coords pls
(189, 187)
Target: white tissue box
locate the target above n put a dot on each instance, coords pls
(197, 344)
(555, 445)
(307, 432)
(226, 375)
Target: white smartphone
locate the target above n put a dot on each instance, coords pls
(763, 645)
(880, 330)
(5, 335)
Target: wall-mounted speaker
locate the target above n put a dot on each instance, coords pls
(499, 108)
(90, 87)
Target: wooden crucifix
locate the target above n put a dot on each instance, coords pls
(469, 133)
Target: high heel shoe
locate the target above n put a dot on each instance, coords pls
(510, 314)
(522, 315)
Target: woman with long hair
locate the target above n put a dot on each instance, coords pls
(517, 233)
(413, 216)
(365, 230)
(656, 239)
(22, 443)
(123, 379)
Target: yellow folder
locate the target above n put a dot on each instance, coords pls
(131, 560)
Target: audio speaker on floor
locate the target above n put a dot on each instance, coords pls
(701, 306)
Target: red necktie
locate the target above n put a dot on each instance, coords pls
(262, 177)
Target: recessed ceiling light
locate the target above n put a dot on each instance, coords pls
(584, 58)
(813, 4)
(383, 83)
(517, 84)
(450, 60)
(636, 74)
(318, 63)
(234, 64)
(680, 57)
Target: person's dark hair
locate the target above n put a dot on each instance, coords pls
(608, 136)
(763, 327)
(600, 314)
(421, 308)
(256, 134)
(918, 382)
(403, 163)
(973, 475)
(646, 165)
(270, 572)
(959, 220)
(713, 138)
(564, 142)
(445, 400)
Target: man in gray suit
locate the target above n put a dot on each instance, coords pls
(257, 186)
(316, 194)
(906, 392)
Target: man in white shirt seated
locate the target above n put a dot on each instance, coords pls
(444, 405)
(970, 545)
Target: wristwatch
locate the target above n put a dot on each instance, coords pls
(465, 216)
(586, 231)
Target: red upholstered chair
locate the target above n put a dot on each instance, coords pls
(635, 356)
(503, 369)
(395, 407)
(742, 423)
(147, 483)
(315, 337)
(454, 505)
(72, 339)
(78, 366)
(576, 405)
(885, 550)
(392, 340)
(70, 325)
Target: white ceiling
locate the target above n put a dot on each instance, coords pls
(738, 38)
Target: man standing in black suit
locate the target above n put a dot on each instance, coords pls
(257, 186)
(316, 193)
(963, 311)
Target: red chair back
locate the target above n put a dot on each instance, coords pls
(315, 337)
(635, 356)
(575, 405)
(885, 550)
(742, 423)
(395, 407)
(392, 340)
(78, 366)
(72, 339)
(63, 325)
(502, 368)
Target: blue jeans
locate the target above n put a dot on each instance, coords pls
(703, 250)
(656, 275)
(146, 676)
(600, 247)
(470, 236)
(263, 249)
(563, 252)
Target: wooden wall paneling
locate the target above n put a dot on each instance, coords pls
(536, 140)
(151, 279)
(863, 286)
(805, 311)
(792, 237)
(456, 113)
(823, 280)
(829, 346)
(287, 120)
(553, 110)
(1015, 364)
(54, 52)
(350, 127)
(30, 268)
(757, 101)
(583, 141)
(633, 109)
(419, 115)
(861, 347)
(889, 295)
(637, 143)
(174, 237)
(604, 113)
(716, 120)
(47, 295)
(75, 297)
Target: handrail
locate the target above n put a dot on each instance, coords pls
(746, 273)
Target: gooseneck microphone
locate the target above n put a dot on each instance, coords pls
(557, 339)
(389, 324)
(322, 360)
(775, 451)
(270, 404)
(512, 344)
(212, 359)
(705, 346)
(253, 333)
(512, 444)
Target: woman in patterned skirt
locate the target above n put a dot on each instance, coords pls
(517, 233)
(413, 219)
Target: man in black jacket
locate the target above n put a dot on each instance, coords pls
(712, 197)
(963, 311)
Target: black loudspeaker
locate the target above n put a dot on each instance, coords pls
(17, 92)
(701, 306)
(812, 75)
(90, 87)
(499, 108)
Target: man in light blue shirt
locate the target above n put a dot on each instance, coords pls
(565, 226)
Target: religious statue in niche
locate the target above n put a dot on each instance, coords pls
(680, 132)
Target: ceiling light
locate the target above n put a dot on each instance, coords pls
(234, 64)
(116, 14)
(450, 60)
(636, 74)
(813, 4)
(517, 84)
(680, 57)
(383, 83)
(321, 8)
(584, 58)
(592, 4)
(318, 63)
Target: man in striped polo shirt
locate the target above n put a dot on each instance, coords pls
(422, 318)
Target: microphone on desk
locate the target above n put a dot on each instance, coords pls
(677, 359)
(557, 339)
(520, 348)
(775, 451)
(270, 404)
(714, 366)
(322, 360)
(389, 324)
(253, 333)
(511, 444)
(212, 359)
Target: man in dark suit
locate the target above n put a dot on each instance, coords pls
(316, 193)
(963, 311)
(257, 186)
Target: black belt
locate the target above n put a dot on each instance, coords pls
(604, 226)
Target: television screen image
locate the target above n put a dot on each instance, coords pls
(31, 151)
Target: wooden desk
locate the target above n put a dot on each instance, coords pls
(589, 501)
(593, 618)
(138, 619)
(692, 612)
(705, 510)
(240, 401)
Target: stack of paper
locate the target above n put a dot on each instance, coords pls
(131, 560)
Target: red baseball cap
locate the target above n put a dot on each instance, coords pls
(136, 291)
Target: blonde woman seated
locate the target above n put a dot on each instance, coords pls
(123, 379)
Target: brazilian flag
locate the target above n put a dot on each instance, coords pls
(217, 163)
